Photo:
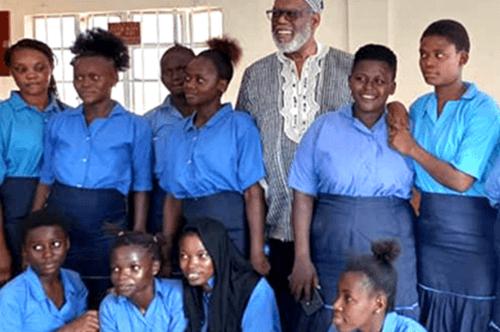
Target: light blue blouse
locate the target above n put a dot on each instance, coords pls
(261, 313)
(396, 323)
(24, 307)
(465, 135)
(225, 154)
(112, 153)
(164, 313)
(161, 120)
(339, 155)
(21, 136)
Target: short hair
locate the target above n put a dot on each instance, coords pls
(177, 48)
(152, 243)
(452, 30)
(42, 218)
(36, 45)
(98, 42)
(379, 268)
(378, 53)
(224, 54)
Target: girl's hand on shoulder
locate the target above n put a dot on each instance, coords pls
(402, 141)
(397, 117)
(260, 263)
(88, 322)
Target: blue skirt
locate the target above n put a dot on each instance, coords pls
(155, 213)
(97, 216)
(16, 195)
(344, 225)
(226, 207)
(457, 262)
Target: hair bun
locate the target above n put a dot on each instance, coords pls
(226, 45)
(386, 251)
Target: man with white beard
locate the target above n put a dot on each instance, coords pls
(285, 92)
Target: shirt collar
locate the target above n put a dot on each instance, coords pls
(159, 291)
(37, 288)
(389, 322)
(348, 112)
(430, 106)
(219, 115)
(118, 109)
(168, 106)
(19, 103)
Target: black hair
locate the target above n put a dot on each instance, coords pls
(379, 268)
(37, 46)
(177, 48)
(452, 30)
(152, 243)
(378, 53)
(43, 218)
(98, 42)
(224, 54)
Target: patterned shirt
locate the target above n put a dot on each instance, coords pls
(284, 106)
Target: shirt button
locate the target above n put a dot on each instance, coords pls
(78, 185)
(88, 138)
(189, 162)
(46, 120)
(84, 160)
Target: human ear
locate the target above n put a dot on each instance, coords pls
(393, 88)
(68, 244)
(464, 58)
(222, 85)
(316, 19)
(156, 267)
(380, 303)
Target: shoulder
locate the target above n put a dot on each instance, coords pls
(339, 56)
(421, 102)
(483, 103)
(74, 279)
(242, 118)
(399, 323)
(262, 290)
(15, 290)
(263, 64)
(109, 302)
(169, 287)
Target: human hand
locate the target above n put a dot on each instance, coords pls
(397, 117)
(303, 279)
(88, 322)
(260, 263)
(402, 141)
(5, 265)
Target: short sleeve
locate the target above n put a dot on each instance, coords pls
(479, 139)
(142, 156)
(178, 320)
(11, 304)
(261, 313)
(107, 318)
(250, 158)
(303, 176)
(47, 174)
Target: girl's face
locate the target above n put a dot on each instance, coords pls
(440, 62)
(195, 261)
(371, 83)
(133, 271)
(356, 304)
(45, 249)
(94, 78)
(31, 70)
(203, 85)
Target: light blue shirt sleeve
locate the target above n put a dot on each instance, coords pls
(47, 175)
(261, 313)
(142, 153)
(107, 318)
(12, 303)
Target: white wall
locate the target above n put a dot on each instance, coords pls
(345, 24)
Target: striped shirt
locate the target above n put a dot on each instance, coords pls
(264, 85)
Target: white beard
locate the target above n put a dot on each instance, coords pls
(299, 40)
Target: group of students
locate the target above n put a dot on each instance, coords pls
(352, 176)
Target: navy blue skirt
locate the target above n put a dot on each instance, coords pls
(457, 262)
(344, 225)
(16, 195)
(155, 213)
(226, 207)
(97, 216)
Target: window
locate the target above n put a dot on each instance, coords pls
(140, 88)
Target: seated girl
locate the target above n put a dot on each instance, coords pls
(46, 298)
(366, 294)
(221, 291)
(214, 162)
(140, 302)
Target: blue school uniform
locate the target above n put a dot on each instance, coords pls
(24, 307)
(261, 313)
(210, 168)
(21, 147)
(362, 189)
(457, 263)
(91, 169)
(397, 323)
(164, 313)
(161, 120)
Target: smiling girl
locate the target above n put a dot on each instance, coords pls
(22, 122)
(140, 301)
